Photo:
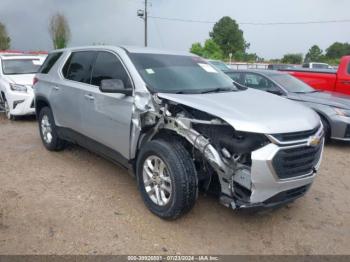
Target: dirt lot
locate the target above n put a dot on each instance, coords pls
(75, 202)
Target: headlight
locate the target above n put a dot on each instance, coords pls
(342, 112)
(18, 88)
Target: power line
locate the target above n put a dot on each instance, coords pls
(253, 23)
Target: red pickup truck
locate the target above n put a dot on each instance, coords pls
(329, 80)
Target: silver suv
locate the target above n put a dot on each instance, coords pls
(180, 126)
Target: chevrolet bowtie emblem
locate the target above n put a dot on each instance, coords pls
(314, 141)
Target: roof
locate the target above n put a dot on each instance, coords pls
(130, 49)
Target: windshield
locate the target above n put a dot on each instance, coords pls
(320, 66)
(20, 66)
(291, 84)
(180, 74)
(220, 65)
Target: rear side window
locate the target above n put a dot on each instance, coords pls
(50, 62)
(258, 82)
(235, 77)
(349, 68)
(79, 65)
(108, 66)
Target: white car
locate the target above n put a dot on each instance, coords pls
(16, 79)
(317, 66)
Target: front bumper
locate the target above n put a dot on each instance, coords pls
(270, 187)
(340, 128)
(21, 103)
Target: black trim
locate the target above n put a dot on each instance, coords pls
(276, 201)
(94, 146)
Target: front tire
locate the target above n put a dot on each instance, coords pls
(167, 178)
(7, 111)
(327, 129)
(48, 131)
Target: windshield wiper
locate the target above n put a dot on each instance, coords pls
(219, 89)
(306, 92)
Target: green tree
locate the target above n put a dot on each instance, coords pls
(338, 50)
(229, 37)
(5, 40)
(197, 49)
(292, 59)
(59, 31)
(315, 54)
(210, 50)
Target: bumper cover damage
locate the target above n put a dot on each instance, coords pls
(242, 162)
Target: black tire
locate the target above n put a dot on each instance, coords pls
(56, 143)
(181, 171)
(7, 111)
(327, 129)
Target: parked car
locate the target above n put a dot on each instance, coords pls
(280, 66)
(314, 65)
(16, 79)
(333, 108)
(328, 79)
(179, 125)
(219, 65)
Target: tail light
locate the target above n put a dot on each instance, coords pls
(35, 80)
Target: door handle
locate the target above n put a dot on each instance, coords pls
(56, 88)
(345, 82)
(90, 97)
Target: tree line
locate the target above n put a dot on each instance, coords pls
(227, 38)
(330, 56)
(58, 29)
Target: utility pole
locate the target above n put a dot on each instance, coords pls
(146, 17)
(143, 14)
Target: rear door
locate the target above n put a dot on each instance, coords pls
(67, 94)
(107, 117)
(343, 79)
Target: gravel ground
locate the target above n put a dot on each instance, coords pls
(74, 202)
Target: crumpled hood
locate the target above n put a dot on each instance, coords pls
(25, 79)
(251, 110)
(325, 98)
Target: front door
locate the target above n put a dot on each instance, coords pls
(107, 117)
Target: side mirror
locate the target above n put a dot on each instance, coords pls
(240, 86)
(114, 86)
(275, 92)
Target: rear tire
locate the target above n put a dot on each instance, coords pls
(175, 171)
(48, 131)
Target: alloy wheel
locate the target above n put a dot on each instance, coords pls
(157, 181)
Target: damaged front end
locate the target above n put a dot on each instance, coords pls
(241, 163)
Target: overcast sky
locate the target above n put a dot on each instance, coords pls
(115, 22)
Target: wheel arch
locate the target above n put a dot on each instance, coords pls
(40, 103)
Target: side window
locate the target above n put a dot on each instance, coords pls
(236, 77)
(50, 62)
(79, 65)
(349, 68)
(259, 82)
(108, 66)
